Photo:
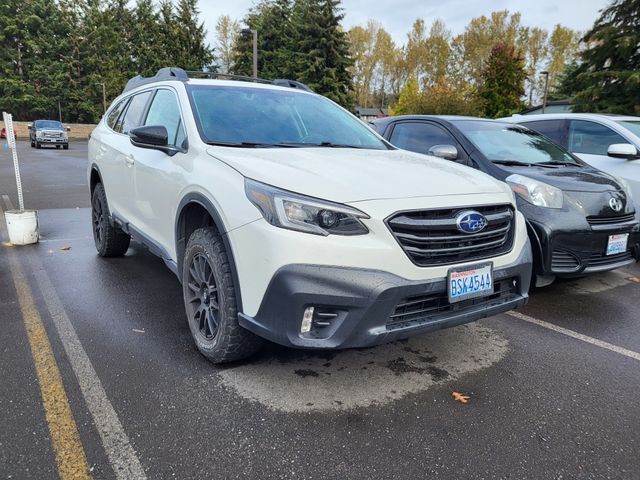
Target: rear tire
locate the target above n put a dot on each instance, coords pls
(210, 300)
(109, 239)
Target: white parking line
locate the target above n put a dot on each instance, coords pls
(576, 335)
(121, 455)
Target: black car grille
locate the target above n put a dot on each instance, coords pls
(431, 237)
(605, 222)
(422, 309)
(563, 262)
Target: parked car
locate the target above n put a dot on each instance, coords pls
(48, 132)
(580, 220)
(3, 133)
(286, 218)
(610, 143)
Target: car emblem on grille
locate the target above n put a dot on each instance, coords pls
(615, 204)
(471, 222)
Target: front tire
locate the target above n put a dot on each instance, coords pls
(210, 300)
(65, 147)
(109, 239)
(38, 145)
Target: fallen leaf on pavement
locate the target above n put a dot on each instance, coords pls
(137, 330)
(635, 279)
(460, 398)
(65, 248)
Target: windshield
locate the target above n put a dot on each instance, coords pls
(48, 124)
(513, 144)
(254, 117)
(632, 125)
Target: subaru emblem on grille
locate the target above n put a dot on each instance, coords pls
(615, 204)
(471, 222)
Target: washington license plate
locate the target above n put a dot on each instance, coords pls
(617, 243)
(470, 282)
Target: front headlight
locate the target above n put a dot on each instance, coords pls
(39, 133)
(285, 209)
(535, 192)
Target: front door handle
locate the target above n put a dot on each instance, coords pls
(129, 160)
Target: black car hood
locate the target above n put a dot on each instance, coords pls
(570, 179)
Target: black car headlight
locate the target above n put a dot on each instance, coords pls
(293, 211)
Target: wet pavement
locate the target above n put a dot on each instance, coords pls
(542, 404)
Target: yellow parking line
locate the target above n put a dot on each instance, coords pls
(70, 457)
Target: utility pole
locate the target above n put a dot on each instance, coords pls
(546, 89)
(254, 34)
(20, 60)
(104, 96)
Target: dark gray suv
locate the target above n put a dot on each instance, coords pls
(48, 132)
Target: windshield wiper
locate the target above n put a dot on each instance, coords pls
(512, 163)
(253, 145)
(563, 164)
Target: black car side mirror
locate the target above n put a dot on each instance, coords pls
(154, 137)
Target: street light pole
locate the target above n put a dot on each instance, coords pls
(546, 89)
(254, 34)
(104, 96)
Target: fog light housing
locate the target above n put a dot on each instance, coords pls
(307, 320)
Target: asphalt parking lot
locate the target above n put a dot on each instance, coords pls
(553, 391)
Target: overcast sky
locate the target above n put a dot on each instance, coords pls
(397, 16)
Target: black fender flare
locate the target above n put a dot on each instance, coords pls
(536, 248)
(181, 241)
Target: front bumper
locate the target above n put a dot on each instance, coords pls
(574, 252)
(360, 308)
(52, 141)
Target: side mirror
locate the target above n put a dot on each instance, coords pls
(68, 129)
(152, 136)
(29, 126)
(622, 150)
(448, 152)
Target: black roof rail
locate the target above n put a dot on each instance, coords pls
(175, 73)
(166, 73)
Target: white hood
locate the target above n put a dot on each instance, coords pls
(352, 175)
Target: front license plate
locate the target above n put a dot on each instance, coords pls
(470, 282)
(617, 243)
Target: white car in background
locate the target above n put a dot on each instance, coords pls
(610, 143)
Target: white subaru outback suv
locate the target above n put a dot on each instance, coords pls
(286, 218)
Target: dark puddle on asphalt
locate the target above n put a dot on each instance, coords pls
(301, 381)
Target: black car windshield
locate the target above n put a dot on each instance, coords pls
(48, 124)
(633, 125)
(262, 117)
(513, 144)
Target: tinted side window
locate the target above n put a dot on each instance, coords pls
(420, 137)
(115, 113)
(591, 138)
(135, 110)
(165, 111)
(553, 129)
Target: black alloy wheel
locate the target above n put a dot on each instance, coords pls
(202, 300)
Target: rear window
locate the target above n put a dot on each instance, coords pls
(553, 129)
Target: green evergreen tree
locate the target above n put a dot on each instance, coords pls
(272, 20)
(320, 49)
(503, 78)
(608, 79)
(190, 50)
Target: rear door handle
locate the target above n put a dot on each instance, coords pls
(129, 160)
